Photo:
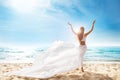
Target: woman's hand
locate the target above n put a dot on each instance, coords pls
(72, 28)
(69, 24)
(91, 28)
(94, 21)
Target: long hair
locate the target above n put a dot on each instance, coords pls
(81, 33)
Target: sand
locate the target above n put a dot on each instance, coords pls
(93, 71)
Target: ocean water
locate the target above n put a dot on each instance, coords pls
(92, 54)
(109, 53)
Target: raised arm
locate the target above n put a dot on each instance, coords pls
(72, 28)
(91, 28)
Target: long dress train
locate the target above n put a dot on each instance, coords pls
(60, 57)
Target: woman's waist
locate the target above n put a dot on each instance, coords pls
(82, 43)
(82, 46)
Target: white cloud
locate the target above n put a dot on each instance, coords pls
(27, 6)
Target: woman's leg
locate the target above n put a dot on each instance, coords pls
(82, 52)
(81, 64)
(82, 69)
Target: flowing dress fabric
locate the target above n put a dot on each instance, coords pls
(60, 57)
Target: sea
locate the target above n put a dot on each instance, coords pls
(99, 53)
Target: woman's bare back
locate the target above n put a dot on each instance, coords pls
(81, 39)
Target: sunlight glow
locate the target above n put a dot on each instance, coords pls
(26, 6)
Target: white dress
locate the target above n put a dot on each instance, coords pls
(60, 57)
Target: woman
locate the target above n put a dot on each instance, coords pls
(60, 57)
(82, 41)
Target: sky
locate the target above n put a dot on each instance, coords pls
(41, 22)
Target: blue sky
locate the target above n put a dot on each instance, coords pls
(41, 22)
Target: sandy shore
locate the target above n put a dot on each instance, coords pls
(93, 71)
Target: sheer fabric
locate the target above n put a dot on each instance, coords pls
(60, 57)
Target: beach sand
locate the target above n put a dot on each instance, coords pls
(93, 71)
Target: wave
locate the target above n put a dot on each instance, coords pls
(93, 53)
